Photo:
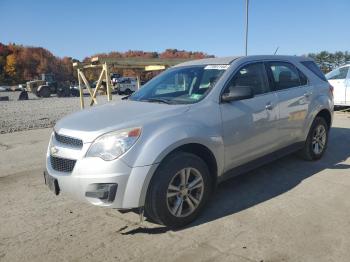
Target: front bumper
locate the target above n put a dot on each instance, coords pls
(89, 175)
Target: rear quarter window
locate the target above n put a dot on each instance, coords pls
(315, 69)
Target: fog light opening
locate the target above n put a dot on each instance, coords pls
(105, 192)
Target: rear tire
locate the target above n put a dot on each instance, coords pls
(178, 190)
(128, 92)
(63, 92)
(317, 140)
(75, 92)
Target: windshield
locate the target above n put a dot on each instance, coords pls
(184, 85)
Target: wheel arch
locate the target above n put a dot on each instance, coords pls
(195, 148)
(41, 87)
(205, 154)
(321, 109)
(326, 115)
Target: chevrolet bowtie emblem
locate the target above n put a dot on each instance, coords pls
(53, 150)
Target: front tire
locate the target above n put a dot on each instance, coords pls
(178, 190)
(317, 140)
(44, 91)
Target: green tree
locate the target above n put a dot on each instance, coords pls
(328, 61)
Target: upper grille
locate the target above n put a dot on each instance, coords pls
(62, 164)
(75, 142)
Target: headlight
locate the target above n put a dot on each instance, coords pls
(112, 145)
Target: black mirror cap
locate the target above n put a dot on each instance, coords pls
(238, 93)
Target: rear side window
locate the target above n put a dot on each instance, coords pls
(251, 75)
(339, 73)
(315, 69)
(303, 79)
(284, 75)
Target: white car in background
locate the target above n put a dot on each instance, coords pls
(126, 85)
(339, 78)
(3, 88)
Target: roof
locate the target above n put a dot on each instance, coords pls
(210, 61)
(228, 60)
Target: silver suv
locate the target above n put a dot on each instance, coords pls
(167, 146)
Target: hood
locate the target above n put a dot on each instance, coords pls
(91, 123)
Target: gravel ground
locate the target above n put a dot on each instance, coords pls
(37, 112)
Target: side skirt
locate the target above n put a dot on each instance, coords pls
(236, 171)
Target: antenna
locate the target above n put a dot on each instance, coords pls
(276, 50)
(246, 26)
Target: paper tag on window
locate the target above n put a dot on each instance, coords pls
(217, 67)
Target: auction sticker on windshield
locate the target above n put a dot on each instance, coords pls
(217, 67)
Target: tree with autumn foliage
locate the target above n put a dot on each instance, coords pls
(10, 66)
(19, 64)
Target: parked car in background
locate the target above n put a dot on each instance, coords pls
(193, 126)
(126, 85)
(339, 78)
(4, 88)
(115, 77)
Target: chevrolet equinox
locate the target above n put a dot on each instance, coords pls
(166, 147)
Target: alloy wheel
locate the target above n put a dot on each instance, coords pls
(185, 192)
(319, 139)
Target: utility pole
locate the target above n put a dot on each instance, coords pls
(246, 26)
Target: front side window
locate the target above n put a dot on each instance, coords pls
(183, 85)
(284, 75)
(339, 73)
(251, 75)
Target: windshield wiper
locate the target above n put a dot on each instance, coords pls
(159, 100)
(126, 97)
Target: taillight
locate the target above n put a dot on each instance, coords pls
(331, 89)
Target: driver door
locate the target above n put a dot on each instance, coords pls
(250, 125)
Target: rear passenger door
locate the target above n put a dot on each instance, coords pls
(294, 96)
(249, 125)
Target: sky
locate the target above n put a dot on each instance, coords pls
(78, 28)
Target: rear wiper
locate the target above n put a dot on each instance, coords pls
(160, 100)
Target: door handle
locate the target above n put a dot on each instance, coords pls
(307, 94)
(269, 106)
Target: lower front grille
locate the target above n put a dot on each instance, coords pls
(62, 164)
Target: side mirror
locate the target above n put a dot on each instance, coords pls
(238, 93)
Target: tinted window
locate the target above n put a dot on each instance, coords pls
(303, 78)
(252, 75)
(339, 73)
(284, 75)
(315, 69)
